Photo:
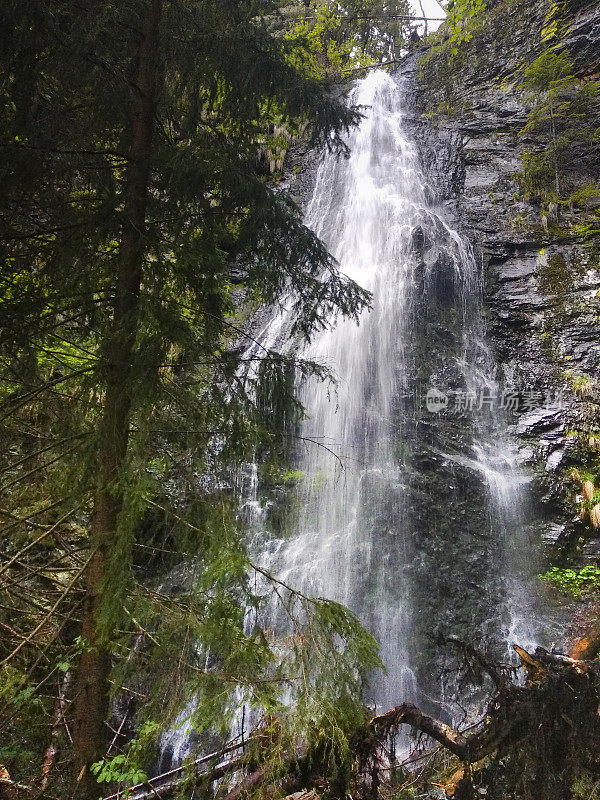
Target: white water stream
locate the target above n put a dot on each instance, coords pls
(354, 540)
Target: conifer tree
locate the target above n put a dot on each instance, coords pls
(563, 114)
(134, 221)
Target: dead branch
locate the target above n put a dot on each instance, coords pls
(407, 714)
(498, 676)
(58, 720)
(513, 711)
(48, 616)
(162, 785)
(250, 782)
(27, 520)
(39, 538)
(588, 646)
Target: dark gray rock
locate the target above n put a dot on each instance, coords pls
(540, 289)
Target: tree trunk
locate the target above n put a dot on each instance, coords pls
(424, 17)
(90, 732)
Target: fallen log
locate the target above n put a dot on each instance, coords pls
(551, 722)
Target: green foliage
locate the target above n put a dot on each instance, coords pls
(24, 718)
(574, 583)
(561, 116)
(551, 24)
(582, 384)
(581, 197)
(124, 768)
(450, 51)
(118, 770)
(377, 26)
(463, 17)
(548, 71)
(588, 230)
(216, 242)
(319, 47)
(585, 788)
(293, 475)
(330, 40)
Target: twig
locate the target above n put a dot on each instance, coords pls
(41, 467)
(52, 610)
(52, 749)
(39, 452)
(120, 728)
(39, 539)
(29, 517)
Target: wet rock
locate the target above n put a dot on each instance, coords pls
(540, 285)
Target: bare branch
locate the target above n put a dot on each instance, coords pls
(48, 616)
(40, 538)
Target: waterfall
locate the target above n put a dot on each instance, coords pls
(414, 519)
(365, 209)
(357, 538)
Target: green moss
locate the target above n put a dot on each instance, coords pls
(554, 277)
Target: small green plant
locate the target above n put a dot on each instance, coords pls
(574, 583)
(125, 768)
(293, 475)
(582, 196)
(552, 23)
(537, 176)
(582, 385)
(447, 109)
(519, 222)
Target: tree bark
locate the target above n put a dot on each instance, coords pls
(90, 732)
(407, 714)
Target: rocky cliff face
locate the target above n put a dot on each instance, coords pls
(540, 269)
(541, 266)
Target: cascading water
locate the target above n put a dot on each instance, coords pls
(357, 536)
